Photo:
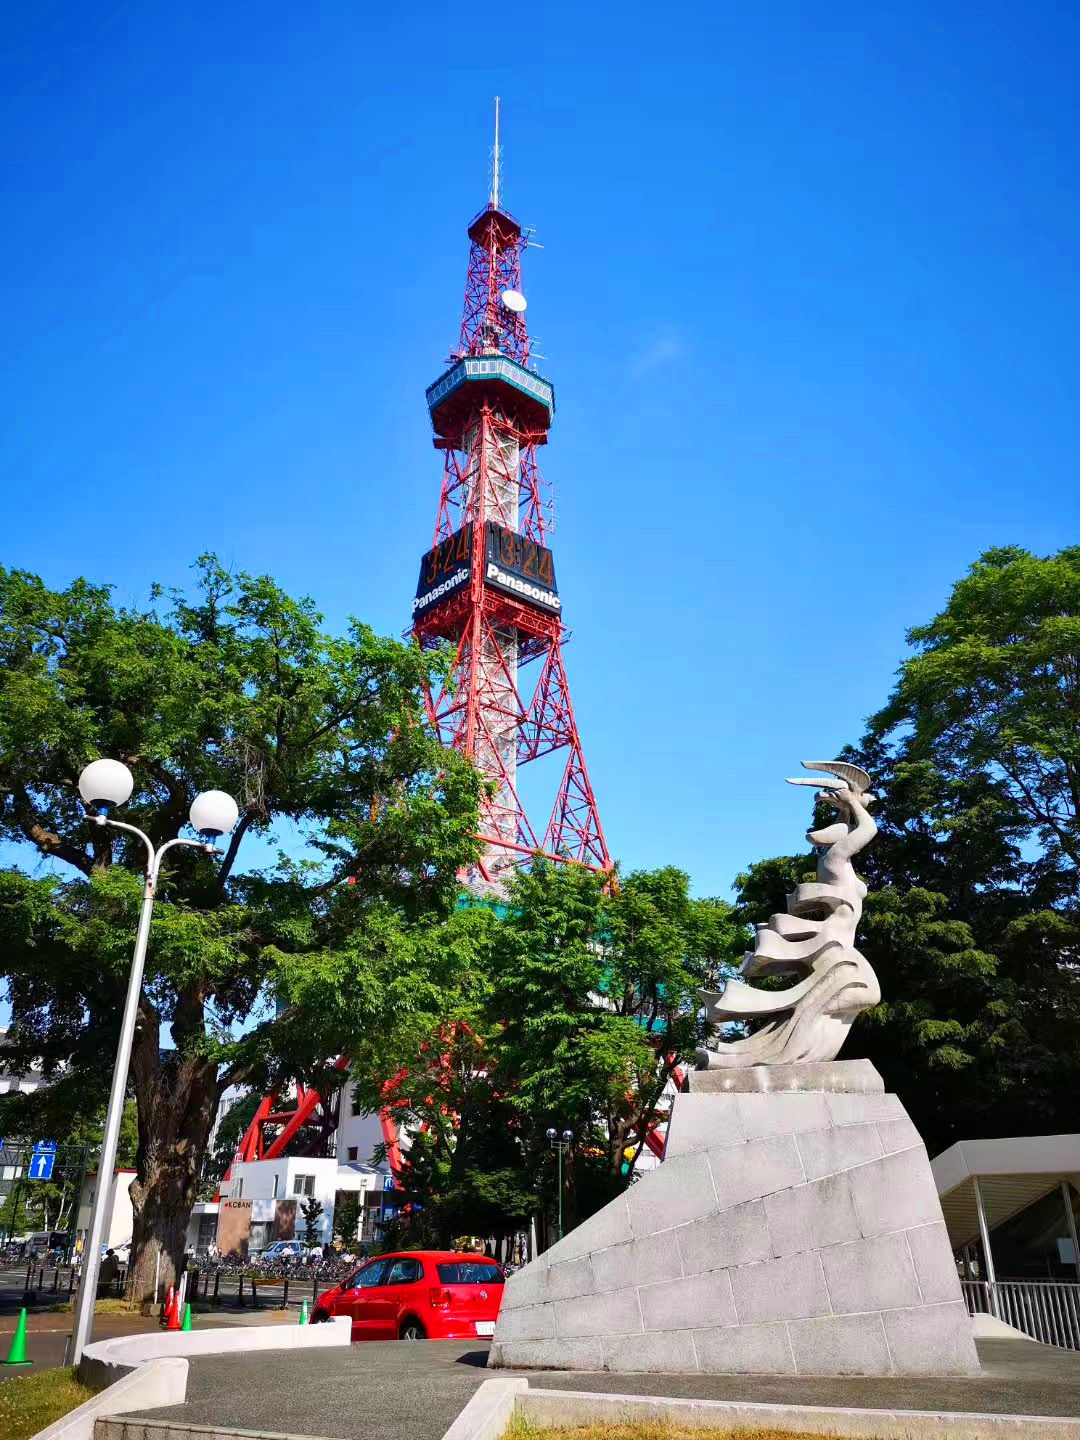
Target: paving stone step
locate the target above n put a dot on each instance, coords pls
(119, 1427)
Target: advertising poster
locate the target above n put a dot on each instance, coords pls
(285, 1219)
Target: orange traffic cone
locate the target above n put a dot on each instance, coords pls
(174, 1314)
(167, 1308)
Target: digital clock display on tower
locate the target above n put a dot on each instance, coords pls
(520, 567)
(444, 571)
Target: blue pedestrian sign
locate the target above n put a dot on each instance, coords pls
(41, 1164)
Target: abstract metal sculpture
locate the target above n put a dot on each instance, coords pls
(808, 1021)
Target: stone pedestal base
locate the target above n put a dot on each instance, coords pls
(849, 1077)
(790, 1232)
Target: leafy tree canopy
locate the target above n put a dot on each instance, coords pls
(973, 920)
(571, 1007)
(257, 971)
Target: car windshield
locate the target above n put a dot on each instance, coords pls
(470, 1272)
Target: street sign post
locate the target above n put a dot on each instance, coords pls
(41, 1164)
(44, 1161)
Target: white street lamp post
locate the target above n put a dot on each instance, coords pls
(103, 785)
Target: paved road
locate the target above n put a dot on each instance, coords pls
(52, 1284)
(397, 1391)
(50, 1327)
(47, 1335)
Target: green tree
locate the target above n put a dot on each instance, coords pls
(312, 1211)
(993, 694)
(598, 986)
(256, 973)
(973, 920)
(37, 1205)
(465, 1169)
(571, 1005)
(348, 1213)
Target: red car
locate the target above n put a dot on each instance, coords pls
(418, 1295)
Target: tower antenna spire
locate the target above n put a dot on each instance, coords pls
(495, 161)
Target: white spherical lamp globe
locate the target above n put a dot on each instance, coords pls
(105, 783)
(214, 813)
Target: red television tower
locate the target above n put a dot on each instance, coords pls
(488, 586)
(488, 583)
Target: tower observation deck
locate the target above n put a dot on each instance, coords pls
(488, 585)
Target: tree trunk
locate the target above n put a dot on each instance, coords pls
(160, 1223)
(176, 1100)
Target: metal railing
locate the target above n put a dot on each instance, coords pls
(1047, 1310)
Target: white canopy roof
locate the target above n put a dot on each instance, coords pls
(1013, 1172)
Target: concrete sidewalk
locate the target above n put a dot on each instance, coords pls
(398, 1391)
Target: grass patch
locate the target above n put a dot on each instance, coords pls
(521, 1429)
(101, 1307)
(30, 1402)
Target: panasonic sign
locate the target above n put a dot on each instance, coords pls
(432, 597)
(523, 589)
(510, 562)
(444, 571)
(520, 566)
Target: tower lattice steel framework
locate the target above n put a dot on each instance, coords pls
(487, 586)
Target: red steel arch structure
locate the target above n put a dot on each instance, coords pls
(488, 588)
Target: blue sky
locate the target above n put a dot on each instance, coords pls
(807, 293)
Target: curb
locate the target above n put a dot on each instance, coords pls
(490, 1410)
(131, 1373)
(560, 1409)
(105, 1360)
(158, 1382)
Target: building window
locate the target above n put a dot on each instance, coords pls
(303, 1185)
(353, 1151)
(277, 1179)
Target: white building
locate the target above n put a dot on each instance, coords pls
(119, 1216)
(277, 1190)
(25, 1082)
(358, 1136)
(229, 1098)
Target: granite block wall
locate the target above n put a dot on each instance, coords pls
(785, 1233)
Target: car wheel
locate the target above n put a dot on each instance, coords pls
(318, 1317)
(412, 1330)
